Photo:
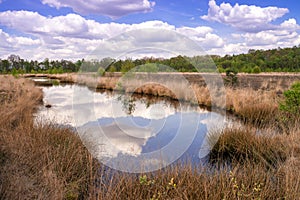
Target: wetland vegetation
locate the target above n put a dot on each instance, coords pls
(259, 160)
(255, 61)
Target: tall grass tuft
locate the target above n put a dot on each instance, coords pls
(241, 145)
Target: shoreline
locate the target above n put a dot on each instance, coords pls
(254, 98)
(261, 81)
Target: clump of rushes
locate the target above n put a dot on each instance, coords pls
(258, 108)
(240, 145)
(260, 114)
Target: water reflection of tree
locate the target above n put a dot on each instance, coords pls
(149, 100)
(129, 100)
(128, 103)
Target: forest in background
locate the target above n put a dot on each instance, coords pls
(255, 61)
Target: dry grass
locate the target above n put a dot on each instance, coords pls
(249, 166)
(37, 161)
(241, 145)
(18, 97)
(255, 106)
(49, 162)
(44, 162)
(247, 182)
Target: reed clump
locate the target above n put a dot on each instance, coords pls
(241, 145)
(257, 107)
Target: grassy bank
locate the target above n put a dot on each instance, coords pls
(37, 161)
(47, 162)
(244, 165)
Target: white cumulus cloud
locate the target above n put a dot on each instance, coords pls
(285, 35)
(249, 18)
(4, 39)
(15, 44)
(74, 37)
(290, 24)
(111, 8)
(203, 35)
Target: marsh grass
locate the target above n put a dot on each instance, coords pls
(241, 145)
(44, 161)
(37, 161)
(247, 181)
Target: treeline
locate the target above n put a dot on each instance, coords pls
(255, 61)
(16, 65)
(151, 64)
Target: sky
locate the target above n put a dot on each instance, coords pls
(76, 29)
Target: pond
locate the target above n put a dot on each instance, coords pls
(132, 133)
(44, 81)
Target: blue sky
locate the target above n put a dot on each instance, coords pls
(68, 29)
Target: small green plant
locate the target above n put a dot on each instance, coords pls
(256, 70)
(55, 82)
(14, 72)
(101, 71)
(291, 103)
(240, 191)
(119, 86)
(171, 184)
(144, 180)
(231, 76)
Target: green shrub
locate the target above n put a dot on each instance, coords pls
(55, 82)
(256, 70)
(14, 72)
(101, 71)
(231, 76)
(148, 67)
(291, 103)
(112, 68)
